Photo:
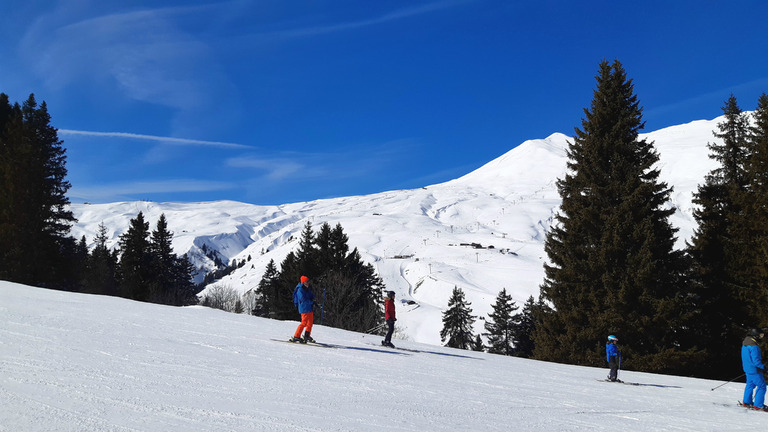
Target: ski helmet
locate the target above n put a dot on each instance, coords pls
(758, 333)
(391, 294)
(612, 338)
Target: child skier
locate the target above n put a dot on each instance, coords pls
(389, 316)
(613, 356)
(303, 298)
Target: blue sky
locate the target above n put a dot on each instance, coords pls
(279, 101)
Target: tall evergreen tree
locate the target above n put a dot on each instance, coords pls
(757, 175)
(170, 277)
(526, 326)
(502, 325)
(348, 291)
(302, 262)
(478, 344)
(612, 266)
(457, 322)
(183, 289)
(727, 305)
(350, 294)
(101, 266)
(306, 254)
(34, 216)
(268, 292)
(331, 251)
(136, 260)
(162, 262)
(281, 303)
(79, 263)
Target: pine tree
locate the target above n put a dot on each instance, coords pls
(457, 322)
(183, 289)
(757, 174)
(612, 265)
(136, 260)
(347, 290)
(162, 262)
(101, 266)
(281, 303)
(302, 262)
(502, 325)
(170, 280)
(726, 305)
(351, 294)
(268, 292)
(526, 326)
(35, 247)
(331, 247)
(478, 345)
(306, 255)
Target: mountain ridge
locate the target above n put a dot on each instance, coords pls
(418, 239)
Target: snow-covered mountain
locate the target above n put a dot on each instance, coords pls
(78, 362)
(482, 232)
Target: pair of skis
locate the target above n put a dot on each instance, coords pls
(751, 407)
(618, 381)
(318, 344)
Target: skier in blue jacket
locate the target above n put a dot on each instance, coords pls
(613, 356)
(304, 299)
(751, 361)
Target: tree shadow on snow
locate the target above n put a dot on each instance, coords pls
(410, 350)
(378, 350)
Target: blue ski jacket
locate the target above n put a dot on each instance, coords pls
(303, 298)
(751, 359)
(611, 350)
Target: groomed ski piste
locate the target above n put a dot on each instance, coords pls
(77, 362)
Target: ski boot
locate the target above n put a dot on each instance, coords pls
(307, 338)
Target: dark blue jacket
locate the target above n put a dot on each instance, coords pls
(303, 298)
(751, 360)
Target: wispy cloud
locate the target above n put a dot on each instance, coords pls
(143, 190)
(146, 55)
(145, 52)
(719, 95)
(391, 16)
(350, 163)
(276, 169)
(166, 140)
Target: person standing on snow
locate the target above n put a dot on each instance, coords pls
(389, 316)
(752, 363)
(304, 298)
(613, 356)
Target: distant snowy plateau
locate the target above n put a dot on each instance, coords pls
(481, 232)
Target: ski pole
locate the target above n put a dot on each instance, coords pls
(375, 328)
(729, 381)
(322, 309)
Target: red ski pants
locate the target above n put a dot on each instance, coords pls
(306, 322)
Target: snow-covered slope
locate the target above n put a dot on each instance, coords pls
(77, 362)
(420, 240)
